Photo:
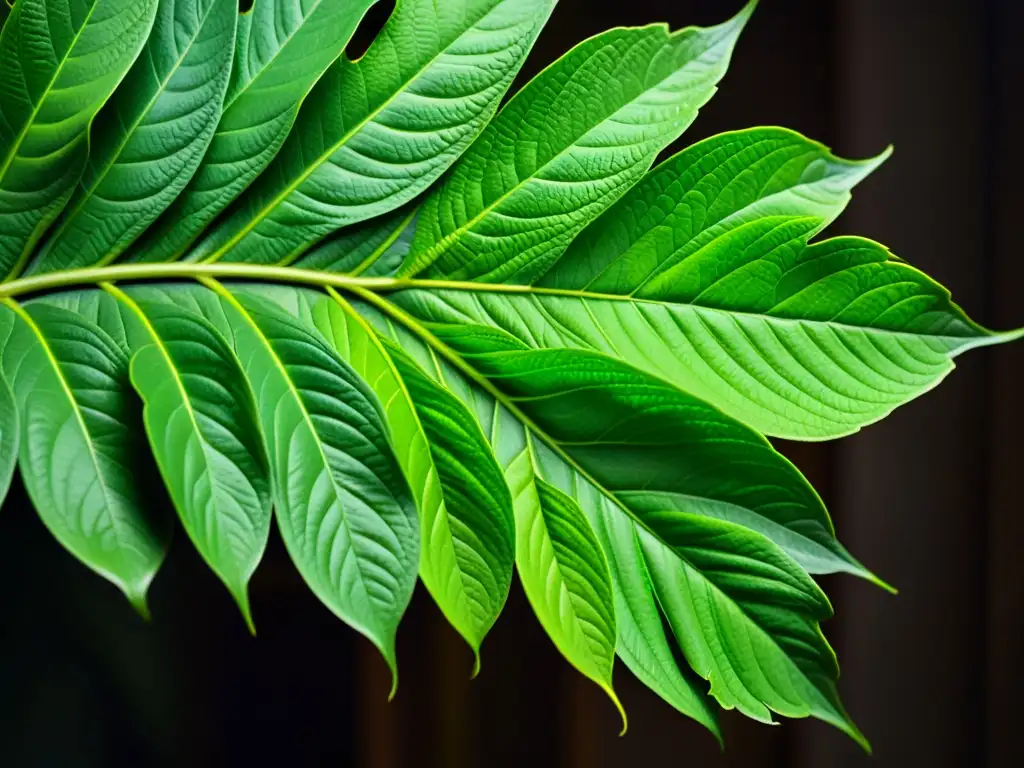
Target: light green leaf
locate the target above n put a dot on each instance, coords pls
(701, 275)
(565, 148)
(469, 530)
(564, 572)
(83, 456)
(376, 132)
(202, 426)
(747, 619)
(150, 137)
(9, 422)
(373, 248)
(344, 508)
(283, 47)
(575, 632)
(59, 61)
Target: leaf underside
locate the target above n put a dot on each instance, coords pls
(246, 280)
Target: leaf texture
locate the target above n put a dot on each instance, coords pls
(373, 248)
(201, 420)
(344, 509)
(150, 137)
(799, 341)
(59, 61)
(565, 148)
(82, 456)
(376, 132)
(526, 462)
(283, 47)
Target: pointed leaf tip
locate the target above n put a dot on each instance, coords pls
(618, 705)
(476, 664)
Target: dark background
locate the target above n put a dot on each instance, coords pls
(927, 499)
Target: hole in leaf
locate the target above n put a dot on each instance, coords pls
(244, 6)
(371, 25)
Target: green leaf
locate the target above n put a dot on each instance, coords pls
(693, 478)
(701, 275)
(83, 455)
(641, 644)
(466, 517)
(9, 422)
(201, 420)
(344, 509)
(684, 474)
(150, 137)
(376, 132)
(565, 148)
(59, 61)
(656, 447)
(371, 248)
(283, 47)
(747, 619)
(649, 655)
(564, 573)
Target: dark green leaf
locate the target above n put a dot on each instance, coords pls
(283, 48)
(83, 455)
(376, 132)
(202, 425)
(150, 137)
(59, 61)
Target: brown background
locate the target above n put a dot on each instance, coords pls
(928, 498)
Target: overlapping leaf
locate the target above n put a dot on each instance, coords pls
(344, 508)
(565, 148)
(376, 132)
(202, 426)
(150, 137)
(59, 61)
(283, 48)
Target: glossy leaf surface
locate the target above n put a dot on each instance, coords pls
(82, 456)
(344, 508)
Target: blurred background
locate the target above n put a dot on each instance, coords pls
(928, 499)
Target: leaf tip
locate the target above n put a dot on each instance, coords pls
(618, 705)
(137, 598)
(476, 664)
